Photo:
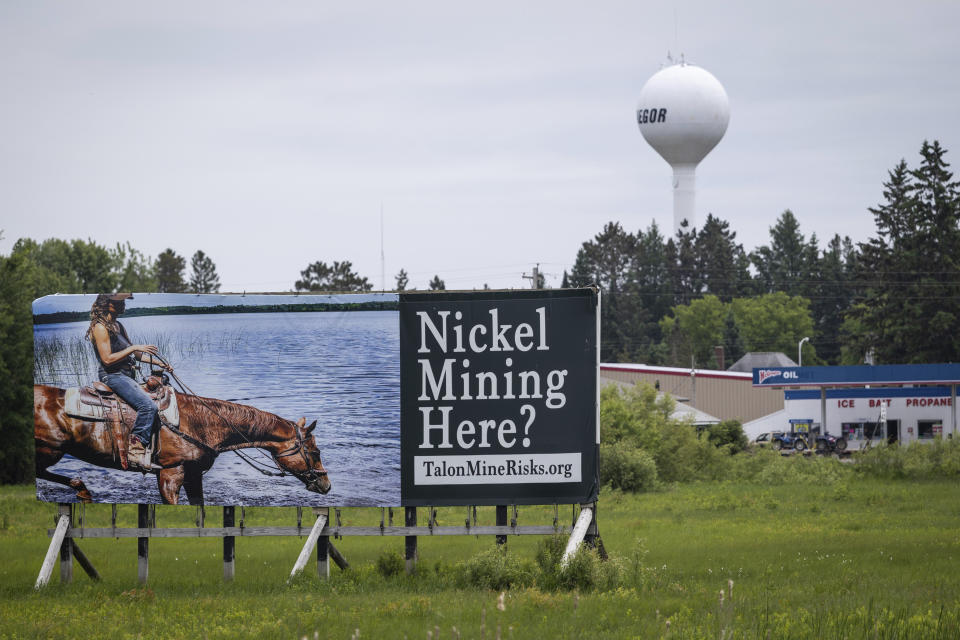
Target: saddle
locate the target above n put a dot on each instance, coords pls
(98, 403)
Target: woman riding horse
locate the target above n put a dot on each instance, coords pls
(117, 359)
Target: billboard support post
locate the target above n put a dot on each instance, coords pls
(337, 557)
(229, 544)
(579, 532)
(56, 544)
(323, 548)
(501, 522)
(65, 533)
(83, 561)
(309, 544)
(410, 542)
(66, 549)
(143, 544)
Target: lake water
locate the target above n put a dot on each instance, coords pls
(339, 368)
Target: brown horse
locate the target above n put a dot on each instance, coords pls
(209, 427)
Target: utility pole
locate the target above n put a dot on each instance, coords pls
(535, 278)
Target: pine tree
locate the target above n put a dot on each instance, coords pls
(789, 263)
(833, 296)
(650, 283)
(402, 280)
(436, 284)
(721, 262)
(606, 262)
(204, 278)
(911, 294)
(170, 268)
(681, 258)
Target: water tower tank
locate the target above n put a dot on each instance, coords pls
(683, 114)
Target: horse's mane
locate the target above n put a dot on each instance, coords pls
(255, 424)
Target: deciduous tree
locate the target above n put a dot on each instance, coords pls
(694, 330)
(134, 270)
(774, 322)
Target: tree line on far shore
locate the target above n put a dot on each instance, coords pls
(84, 266)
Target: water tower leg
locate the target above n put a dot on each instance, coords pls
(684, 196)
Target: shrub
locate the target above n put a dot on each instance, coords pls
(918, 461)
(495, 569)
(800, 470)
(584, 571)
(750, 464)
(625, 467)
(390, 563)
(728, 432)
(637, 419)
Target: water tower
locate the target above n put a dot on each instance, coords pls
(683, 114)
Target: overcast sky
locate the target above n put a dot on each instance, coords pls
(494, 135)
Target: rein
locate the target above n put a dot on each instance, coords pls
(256, 464)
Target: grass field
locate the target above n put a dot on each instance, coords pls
(857, 559)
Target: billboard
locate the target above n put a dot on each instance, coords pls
(315, 400)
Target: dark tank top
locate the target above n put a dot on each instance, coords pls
(118, 342)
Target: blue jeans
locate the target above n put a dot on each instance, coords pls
(128, 389)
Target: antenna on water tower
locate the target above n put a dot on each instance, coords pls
(683, 114)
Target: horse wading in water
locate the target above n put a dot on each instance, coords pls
(208, 428)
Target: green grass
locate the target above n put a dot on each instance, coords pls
(856, 559)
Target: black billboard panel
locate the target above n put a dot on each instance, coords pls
(499, 397)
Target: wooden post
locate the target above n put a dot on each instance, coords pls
(590, 538)
(308, 546)
(229, 544)
(83, 561)
(501, 522)
(63, 521)
(143, 544)
(66, 549)
(323, 548)
(410, 542)
(579, 531)
(337, 557)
